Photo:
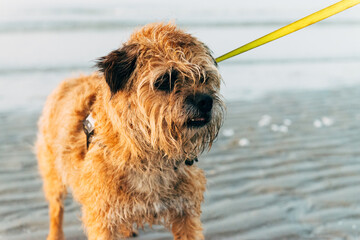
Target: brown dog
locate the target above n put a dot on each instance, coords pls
(156, 107)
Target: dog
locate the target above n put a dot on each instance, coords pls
(154, 106)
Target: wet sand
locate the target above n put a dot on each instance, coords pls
(285, 166)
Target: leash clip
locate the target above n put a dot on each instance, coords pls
(89, 127)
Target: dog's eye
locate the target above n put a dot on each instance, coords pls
(166, 82)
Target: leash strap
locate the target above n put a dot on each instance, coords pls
(293, 27)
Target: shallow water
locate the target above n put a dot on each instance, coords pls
(286, 164)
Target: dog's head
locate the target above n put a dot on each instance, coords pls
(164, 85)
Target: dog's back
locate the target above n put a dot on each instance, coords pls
(61, 120)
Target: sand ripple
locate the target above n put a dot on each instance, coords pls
(263, 183)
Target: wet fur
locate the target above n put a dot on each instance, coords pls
(134, 171)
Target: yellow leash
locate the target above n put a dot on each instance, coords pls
(293, 27)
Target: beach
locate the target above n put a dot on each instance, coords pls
(286, 164)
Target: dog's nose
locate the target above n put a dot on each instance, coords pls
(203, 102)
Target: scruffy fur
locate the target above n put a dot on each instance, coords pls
(134, 172)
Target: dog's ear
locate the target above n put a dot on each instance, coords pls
(118, 66)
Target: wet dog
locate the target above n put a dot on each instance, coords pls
(154, 106)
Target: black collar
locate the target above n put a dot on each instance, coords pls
(190, 162)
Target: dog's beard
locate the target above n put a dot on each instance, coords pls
(201, 136)
(162, 130)
(190, 140)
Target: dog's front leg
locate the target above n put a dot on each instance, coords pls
(97, 226)
(187, 228)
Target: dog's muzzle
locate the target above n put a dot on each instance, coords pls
(199, 106)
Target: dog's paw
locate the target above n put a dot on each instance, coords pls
(131, 234)
(135, 234)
